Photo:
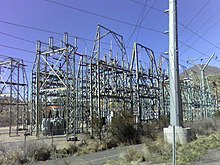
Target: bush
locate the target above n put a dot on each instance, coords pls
(72, 149)
(150, 130)
(156, 152)
(11, 155)
(164, 121)
(111, 144)
(196, 149)
(97, 127)
(38, 151)
(122, 128)
(203, 127)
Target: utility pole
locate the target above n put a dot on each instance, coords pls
(175, 97)
(202, 82)
(175, 132)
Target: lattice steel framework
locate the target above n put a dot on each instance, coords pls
(14, 93)
(54, 87)
(145, 81)
(110, 79)
(192, 105)
(86, 91)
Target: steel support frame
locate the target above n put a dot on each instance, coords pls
(54, 86)
(14, 93)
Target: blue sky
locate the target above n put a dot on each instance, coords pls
(199, 25)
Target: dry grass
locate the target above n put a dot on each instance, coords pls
(38, 151)
(157, 151)
(194, 150)
(205, 126)
(35, 151)
(11, 156)
(133, 155)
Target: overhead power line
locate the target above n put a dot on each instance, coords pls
(199, 36)
(145, 17)
(139, 21)
(215, 45)
(6, 34)
(200, 10)
(47, 31)
(11, 47)
(157, 9)
(192, 48)
(29, 27)
(204, 23)
(102, 16)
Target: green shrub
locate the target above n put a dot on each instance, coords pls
(122, 128)
(111, 143)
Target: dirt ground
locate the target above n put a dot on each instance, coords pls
(211, 158)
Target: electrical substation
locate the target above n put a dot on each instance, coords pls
(70, 90)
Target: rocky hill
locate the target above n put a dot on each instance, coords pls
(208, 71)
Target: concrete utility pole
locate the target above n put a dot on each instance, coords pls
(174, 132)
(175, 97)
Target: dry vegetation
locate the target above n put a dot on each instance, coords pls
(34, 151)
(206, 134)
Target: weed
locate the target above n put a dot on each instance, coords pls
(133, 155)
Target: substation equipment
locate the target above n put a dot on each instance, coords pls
(71, 91)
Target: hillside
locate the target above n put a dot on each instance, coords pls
(209, 69)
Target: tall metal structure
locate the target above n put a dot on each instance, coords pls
(54, 87)
(191, 92)
(163, 68)
(145, 80)
(73, 92)
(110, 85)
(14, 93)
(202, 85)
(87, 91)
